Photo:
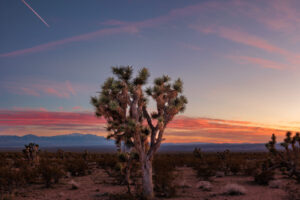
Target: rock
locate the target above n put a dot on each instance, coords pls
(204, 185)
(234, 189)
(74, 185)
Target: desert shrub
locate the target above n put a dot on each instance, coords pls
(235, 166)
(205, 172)
(50, 172)
(164, 176)
(29, 174)
(263, 177)
(206, 167)
(6, 179)
(111, 165)
(292, 192)
(250, 168)
(77, 166)
(107, 161)
(10, 178)
(6, 196)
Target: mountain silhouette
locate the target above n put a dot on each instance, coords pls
(98, 143)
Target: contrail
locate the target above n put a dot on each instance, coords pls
(35, 13)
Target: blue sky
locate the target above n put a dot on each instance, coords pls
(238, 59)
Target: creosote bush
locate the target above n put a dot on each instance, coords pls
(76, 166)
(50, 172)
(164, 176)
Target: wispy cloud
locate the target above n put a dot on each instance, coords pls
(87, 36)
(264, 63)
(241, 37)
(40, 87)
(277, 15)
(119, 27)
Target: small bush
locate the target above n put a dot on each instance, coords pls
(263, 177)
(50, 172)
(77, 167)
(164, 177)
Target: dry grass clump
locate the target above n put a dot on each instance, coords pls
(234, 189)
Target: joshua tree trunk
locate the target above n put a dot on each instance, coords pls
(147, 179)
(127, 175)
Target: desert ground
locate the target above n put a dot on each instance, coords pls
(99, 185)
(178, 177)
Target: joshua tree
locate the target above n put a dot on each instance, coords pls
(122, 102)
(31, 153)
(289, 158)
(198, 153)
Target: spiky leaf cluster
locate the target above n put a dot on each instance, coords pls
(114, 101)
(168, 97)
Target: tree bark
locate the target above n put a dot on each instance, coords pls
(147, 179)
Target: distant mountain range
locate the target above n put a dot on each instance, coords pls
(78, 142)
(74, 139)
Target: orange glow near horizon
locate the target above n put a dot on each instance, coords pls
(181, 130)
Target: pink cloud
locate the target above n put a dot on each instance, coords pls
(264, 63)
(77, 108)
(70, 88)
(29, 91)
(241, 37)
(87, 36)
(16, 108)
(54, 92)
(277, 15)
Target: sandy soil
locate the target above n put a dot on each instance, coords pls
(98, 185)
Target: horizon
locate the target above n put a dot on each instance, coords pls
(88, 134)
(238, 61)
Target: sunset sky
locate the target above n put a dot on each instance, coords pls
(239, 60)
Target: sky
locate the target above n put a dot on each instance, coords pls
(239, 61)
